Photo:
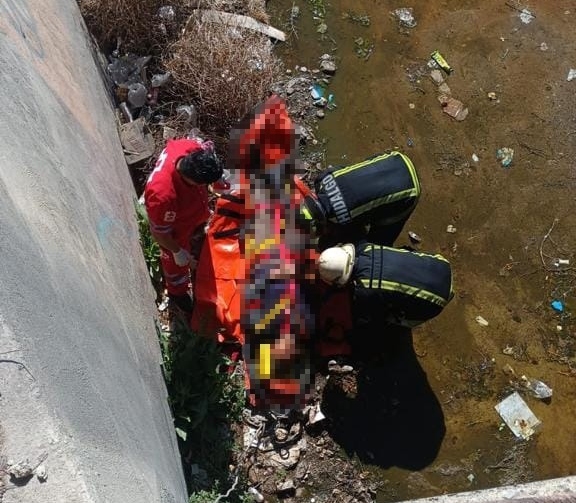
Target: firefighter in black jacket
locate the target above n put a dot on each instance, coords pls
(391, 285)
(371, 199)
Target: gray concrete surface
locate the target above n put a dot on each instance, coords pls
(562, 490)
(76, 306)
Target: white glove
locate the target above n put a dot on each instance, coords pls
(182, 257)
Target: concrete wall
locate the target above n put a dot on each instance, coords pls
(76, 307)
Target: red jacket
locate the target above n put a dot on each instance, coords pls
(173, 206)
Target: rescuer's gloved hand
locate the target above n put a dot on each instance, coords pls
(182, 257)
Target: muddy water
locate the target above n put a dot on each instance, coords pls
(501, 215)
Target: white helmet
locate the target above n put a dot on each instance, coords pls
(335, 264)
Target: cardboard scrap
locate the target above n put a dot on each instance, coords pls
(137, 145)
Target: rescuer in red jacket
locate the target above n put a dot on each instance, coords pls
(176, 198)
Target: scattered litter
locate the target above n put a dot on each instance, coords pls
(168, 133)
(571, 75)
(541, 390)
(481, 321)
(163, 305)
(557, 305)
(437, 77)
(471, 478)
(258, 497)
(137, 145)
(505, 156)
(411, 106)
(167, 13)
(159, 79)
(414, 238)
(444, 89)
(406, 17)
(561, 261)
(441, 62)
(518, 416)
(475, 158)
(315, 415)
(543, 46)
(559, 328)
(492, 96)
(526, 16)
(328, 66)
(317, 92)
(453, 107)
(335, 368)
(188, 114)
(137, 94)
(410, 142)
(322, 28)
(508, 350)
(451, 229)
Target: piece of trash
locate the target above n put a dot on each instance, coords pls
(159, 79)
(561, 261)
(126, 111)
(411, 106)
(475, 158)
(437, 77)
(557, 305)
(328, 66)
(258, 497)
(505, 156)
(317, 92)
(526, 16)
(453, 107)
(451, 229)
(518, 416)
(406, 17)
(441, 62)
(492, 96)
(137, 95)
(481, 321)
(508, 350)
(543, 46)
(571, 75)
(410, 142)
(471, 478)
(415, 238)
(285, 487)
(167, 13)
(315, 415)
(444, 89)
(541, 390)
(41, 473)
(188, 114)
(137, 144)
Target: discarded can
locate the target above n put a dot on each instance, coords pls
(441, 62)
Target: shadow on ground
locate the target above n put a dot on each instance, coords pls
(392, 417)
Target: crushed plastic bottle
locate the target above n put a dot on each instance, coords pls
(137, 95)
(540, 389)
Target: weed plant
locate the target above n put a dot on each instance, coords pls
(150, 248)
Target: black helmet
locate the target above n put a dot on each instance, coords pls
(201, 166)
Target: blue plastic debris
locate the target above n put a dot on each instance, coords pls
(317, 92)
(557, 305)
(505, 156)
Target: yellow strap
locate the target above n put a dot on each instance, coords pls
(370, 247)
(264, 365)
(406, 289)
(280, 306)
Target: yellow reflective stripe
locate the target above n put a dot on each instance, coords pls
(390, 198)
(412, 170)
(342, 171)
(406, 289)
(280, 306)
(306, 213)
(264, 365)
(370, 247)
